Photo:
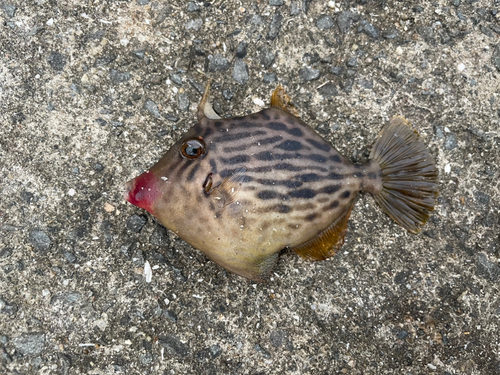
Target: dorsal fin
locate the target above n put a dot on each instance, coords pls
(280, 99)
(205, 109)
(328, 242)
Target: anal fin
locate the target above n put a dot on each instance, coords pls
(280, 99)
(326, 243)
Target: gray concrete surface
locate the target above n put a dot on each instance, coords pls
(94, 92)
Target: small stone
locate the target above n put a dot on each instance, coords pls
(9, 9)
(170, 315)
(194, 24)
(152, 108)
(241, 50)
(276, 338)
(176, 78)
(328, 90)
(295, 8)
(324, 22)
(27, 196)
(218, 63)
(275, 26)
(135, 223)
(164, 12)
(6, 252)
(427, 33)
(118, 77)
(309, 74)
(215, 351)
(240, 72)
(40, 240)
(142, 2)
(345, 21)
(264, 352)
(352, 62)
(193, 7)
(390, 34)
(196, 85)
(482, 198)
(171, 117)
(174, 345)
(30, 343)
(108, 207)
(370, 30)
(228, 94)
(486, 268)
(98, 167)
(366, 84)
(101, 121)
(269, 78)
(159, 237)
(495, 57)
(183, 101)
(70, 257)
(267, 58)
(402, 334)
(139, 53)
(56, 61)
(337, 70)
(450, 143)
(276, 3)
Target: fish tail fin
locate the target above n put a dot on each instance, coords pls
(408, 175)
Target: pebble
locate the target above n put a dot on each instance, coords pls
(194, 24)
(69, 298)
(276, 338)
(309, 74)
(70, 257)
(276, 3)
(152, 108)
(370, 30)
(159, 237)
(170, 315)
(27, 196)
(105, 60)
(171, 117)
(324, 22)
(264, 352)
(345, 21)
(6, 252)
(183, 101)
(118, 77)
(267, 58)
(240, 72)
(486, 268)
(352, 62)
(215, 351)
(227, 94)
(328, 90)
(193, 7)
(29, 343)
(142, 2)
(9, 9)
(98, 167)
(196, 85)
(269, 78)
(174, 346)
(402, 334)
(337, 70)
(450, 142)
(176, 78)
(56, 61)
(482, 198)
(295, 8)
(139, 53)
(241, 50)
(495, 57)
(218, 63)
(366, 84)
(390, 34)
(40, 240)
(275, 26)
(135, 223)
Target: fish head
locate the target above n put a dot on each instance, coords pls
(176, 185)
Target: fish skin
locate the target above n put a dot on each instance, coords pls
(275, 183)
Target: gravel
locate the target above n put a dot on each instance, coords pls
(240, 72)
(91, 96)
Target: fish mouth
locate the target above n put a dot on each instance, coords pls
(143, 191)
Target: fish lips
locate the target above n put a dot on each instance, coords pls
(143, 191)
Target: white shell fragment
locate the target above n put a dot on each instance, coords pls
(148, 273)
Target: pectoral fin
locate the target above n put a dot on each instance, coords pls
(225, 193)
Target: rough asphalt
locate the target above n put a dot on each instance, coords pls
(94, 92)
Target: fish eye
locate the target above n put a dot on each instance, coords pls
(193, 148)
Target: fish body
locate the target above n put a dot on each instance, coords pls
(242, 189)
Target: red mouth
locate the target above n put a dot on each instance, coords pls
(142, 191)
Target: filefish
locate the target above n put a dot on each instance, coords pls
(243, 189)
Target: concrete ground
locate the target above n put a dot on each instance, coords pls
(94, 92)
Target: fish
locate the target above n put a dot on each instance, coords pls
(244, 189)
